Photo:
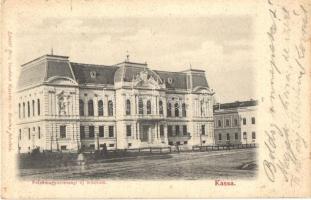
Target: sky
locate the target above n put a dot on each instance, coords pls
(222, 45)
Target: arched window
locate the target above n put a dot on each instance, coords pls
(38, 104)
(19, 110)
(100, 108)
(23, 109)
(28, 109)
(148, 107)
(176, 110)
(160, 107)
(228, 137)
(81, 107)
(128, 107)
(33, 107)
(110, 108)
(184, 112)
(140, 106)
(90, 107)
(169, 109)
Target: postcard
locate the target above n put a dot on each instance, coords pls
(155, 99)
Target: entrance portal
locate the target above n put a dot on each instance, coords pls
(145, 134)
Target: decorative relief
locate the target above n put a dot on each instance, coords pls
(63, 102)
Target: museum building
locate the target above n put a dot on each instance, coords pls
(67, 106)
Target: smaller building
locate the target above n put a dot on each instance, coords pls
(235, 123)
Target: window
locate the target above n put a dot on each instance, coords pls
(39, 133)
(184, 130)
(111, 145)
(219, 123)
(185, 142)
(227, 122)
(161, 130)
(100, 108)
(184, 112)
(82, 132)
(92, 146)
(128, 130)
(148, 107)
(91, 132)
(244, 121)
(90, 107)
(203, 129)
(244, 135)
(101, 131)
(62, 131)
(81, 107)
(23, 110)
(177, 143)
(203, 141)
(160, 107)
(177, 130)
(235, 122)
(236, 136)
(38, 105)
(20, 134)
(253, 120)
(63, 147)
(169, 109)
(28, 109)
(219, 136)
(111, 134)
(170, 131)
(170, 143)
(140, 106)
(129, 144)
(176, 110)
(128, 107)
(19, 110)
(29, 136)
(228, 136)
(33, 107)
(253, 135)
(110, 108)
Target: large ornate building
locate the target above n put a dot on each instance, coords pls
(69, 106)
(235, 123)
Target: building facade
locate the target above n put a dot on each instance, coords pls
(69, 106)
(235, 123)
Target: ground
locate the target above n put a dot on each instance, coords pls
(238, 163)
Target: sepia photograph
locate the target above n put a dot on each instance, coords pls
(159, 98)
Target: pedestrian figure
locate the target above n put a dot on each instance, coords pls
(81, 161)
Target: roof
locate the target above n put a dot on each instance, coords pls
(236, 104)
(43, 68)
(103, 74)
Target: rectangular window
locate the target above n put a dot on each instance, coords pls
(38, 105)
(236, 136)
(235, 122)
(244, 135)
(219, 123)
(62, 130)
(203, 129)
(129, 144)
(29, 137)
(82, 132)
(20, 134)
(228, 137)
(203, 141)
(227, 122)
(91, 132)
(170, 131)
(161, 130)
(253, 135)
(177, 130)
(185, 142)
(128, 130)
(244, 121)
(178, 143)
(33, 107)
(101, 131)
(39, 133)
(111, 145)
(219, 136)
(185, 131)
(253, 120)
(111, 134)
(92, 146)
(63, 147)
(28, 110)
(170, 143)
